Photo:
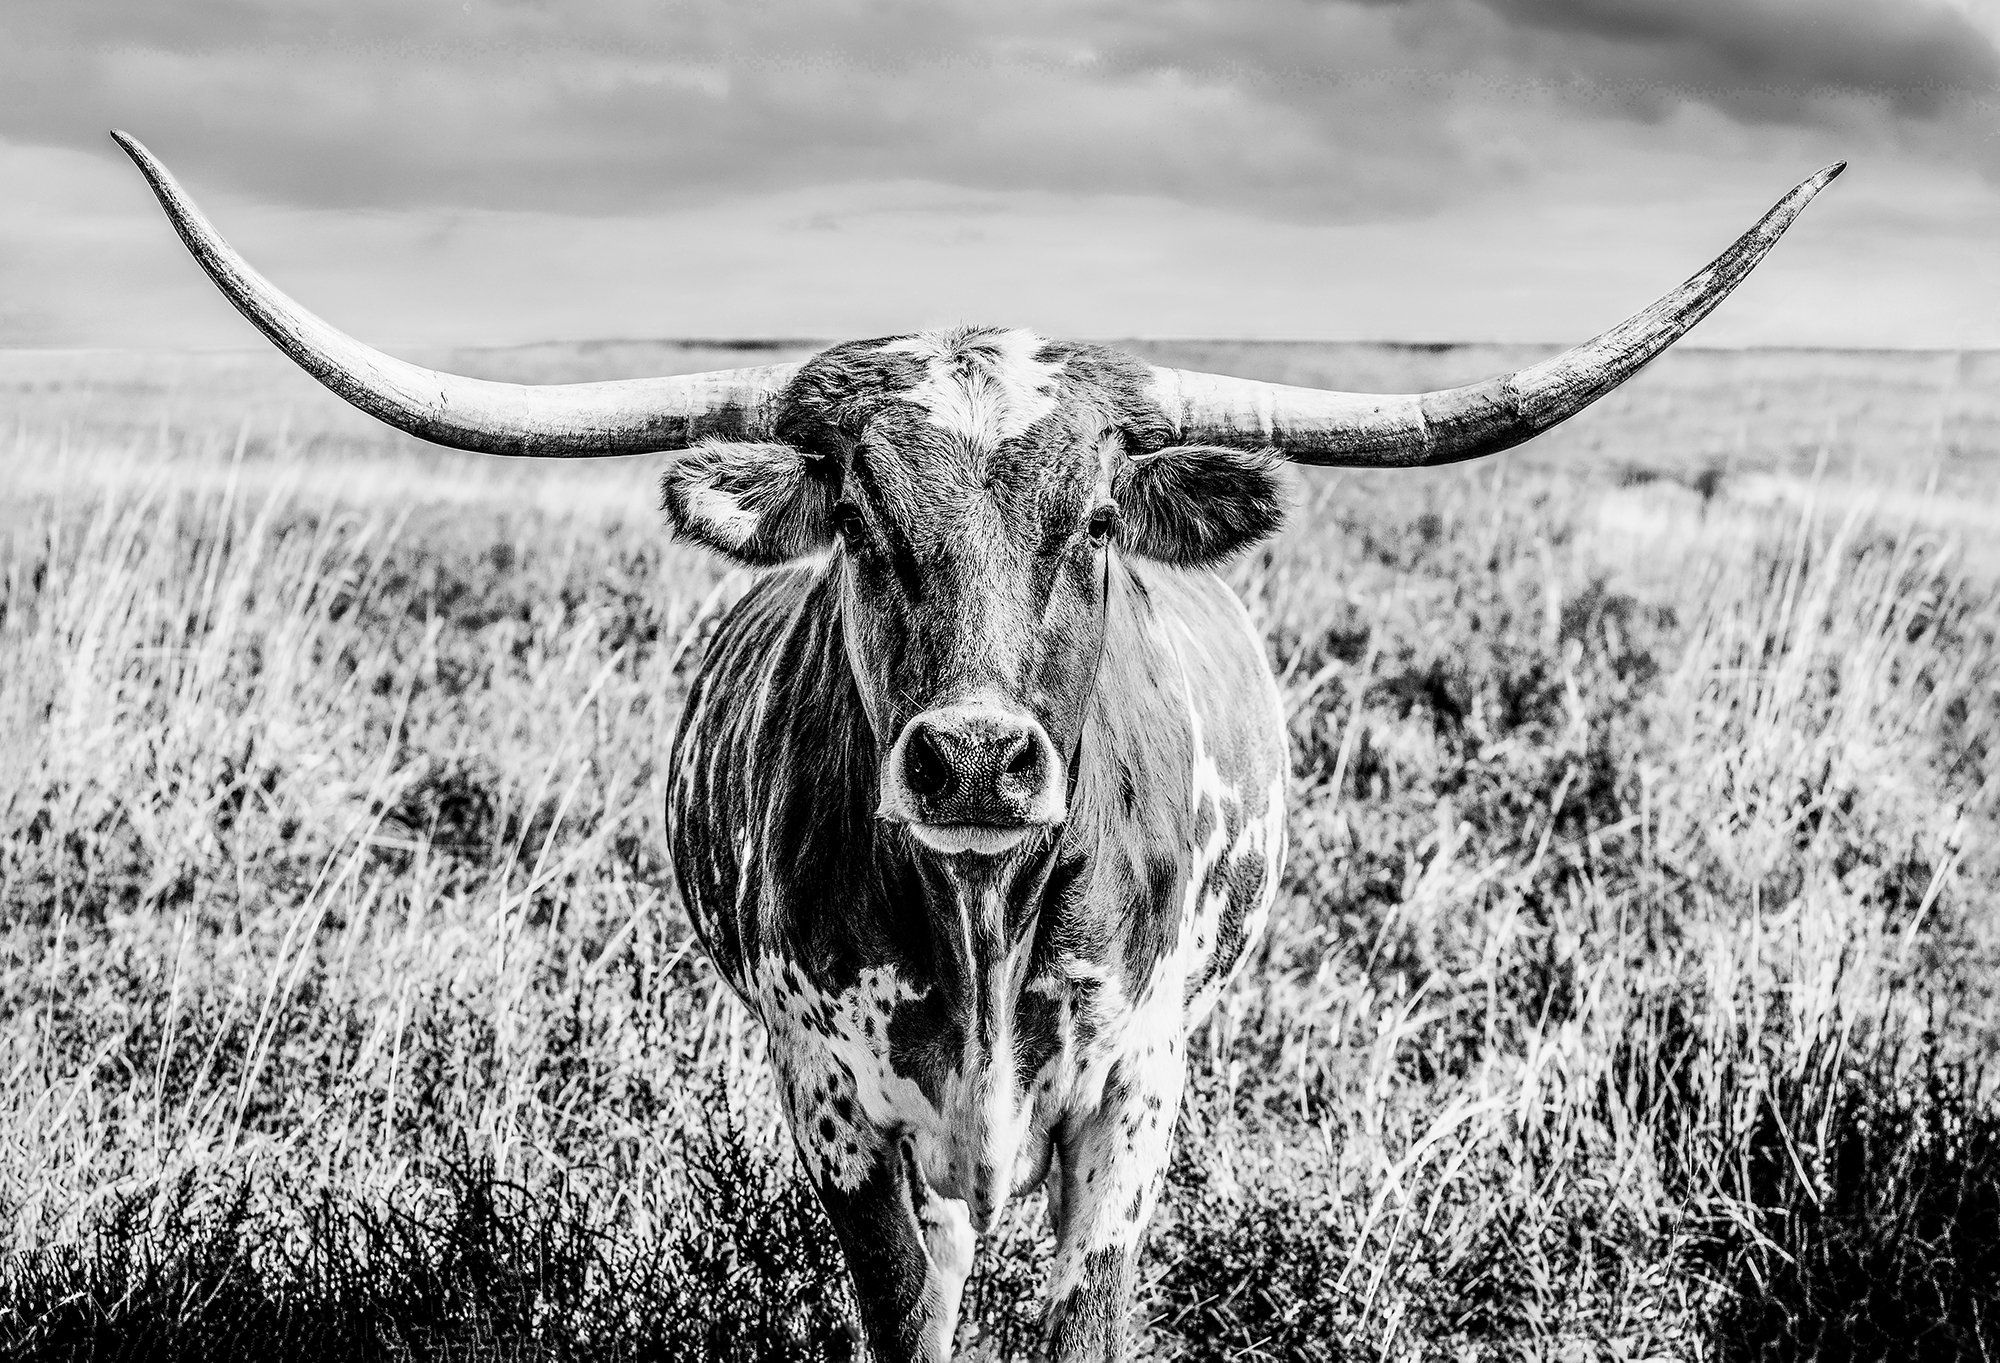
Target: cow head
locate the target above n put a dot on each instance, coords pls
(975, 489)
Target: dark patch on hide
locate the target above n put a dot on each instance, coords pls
(1243, 882)
(841, 387)
(1165, 872)
(926, 1041)
(1115, 385)
(1038, 1011)
(1037, 1034)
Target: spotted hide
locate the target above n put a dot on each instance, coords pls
(978, 797)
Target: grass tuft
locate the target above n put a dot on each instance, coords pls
(743, 1267)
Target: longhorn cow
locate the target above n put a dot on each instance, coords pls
(978, 798)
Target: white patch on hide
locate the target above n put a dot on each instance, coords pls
(991, 397)
(826, 1047)
(726, 518)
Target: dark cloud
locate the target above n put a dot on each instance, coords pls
(1339, 108)
(1912, 74)
(1761, 57)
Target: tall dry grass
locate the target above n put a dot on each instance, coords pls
(1627, 995)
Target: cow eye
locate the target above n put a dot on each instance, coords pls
(1103, 521)
(847, 520)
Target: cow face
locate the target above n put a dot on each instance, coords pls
(976, 489)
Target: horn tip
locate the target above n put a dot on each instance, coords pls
(132, 146)
(1808, 189)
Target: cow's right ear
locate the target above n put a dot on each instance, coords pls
(757, 503)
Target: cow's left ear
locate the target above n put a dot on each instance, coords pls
(757, 503)
(1195, 505)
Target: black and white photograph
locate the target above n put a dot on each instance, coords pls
(910, 680)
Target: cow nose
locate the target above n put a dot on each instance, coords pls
(977, 765)
(946, 753)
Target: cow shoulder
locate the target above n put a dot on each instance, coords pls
(1182, 794)
(771, 781)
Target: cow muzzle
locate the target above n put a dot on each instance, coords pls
(973, 778)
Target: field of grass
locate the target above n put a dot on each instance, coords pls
(1631, 992)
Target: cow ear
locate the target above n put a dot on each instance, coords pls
(1195, 505)
(757, 503)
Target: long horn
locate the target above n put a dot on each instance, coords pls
(1380, 430)
(560, 420)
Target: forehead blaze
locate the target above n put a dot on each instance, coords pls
(982, 389)
(978, 416)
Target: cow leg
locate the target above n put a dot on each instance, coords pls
(908, 1251)
(1113, 1161)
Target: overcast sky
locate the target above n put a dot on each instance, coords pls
(503, 170)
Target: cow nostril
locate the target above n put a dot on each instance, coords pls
(1023, 760)
(924, 766)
